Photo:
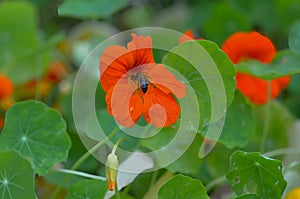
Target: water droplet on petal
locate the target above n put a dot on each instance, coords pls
(131, 108)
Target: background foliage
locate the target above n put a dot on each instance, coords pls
(42, 45)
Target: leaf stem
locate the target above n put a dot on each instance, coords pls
(282, 151)
(93, 149)
(82, 159)
(117, 192)
(267, 119)
(215, 182)
(82, 174)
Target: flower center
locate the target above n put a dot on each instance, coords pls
(141, 81)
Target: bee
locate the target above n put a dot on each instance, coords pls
(141, 80)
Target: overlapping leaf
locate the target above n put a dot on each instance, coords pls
(16, 176)
(37, 132)
(254, 173)
(181, 186)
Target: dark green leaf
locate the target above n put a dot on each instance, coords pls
(240, 123)
(189, 162)
(37, 132)
(285, 63)
(254, 173)
(16, 177)
(181, 186)
(91, 9)
(87, 189)
(294, 37)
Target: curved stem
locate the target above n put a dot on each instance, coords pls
(82, 159)
(267, 119)
(93, 149)
(282, 151)
(82, 174)
(215, 182)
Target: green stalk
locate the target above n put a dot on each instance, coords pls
(82, 159)
(117, 191)
(267, 119)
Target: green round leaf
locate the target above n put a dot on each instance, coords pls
(181, 186)
(285, 63)
(240, 123)
(16, 176)
(37, 132)
(294, 37)
(210, 59)
(255, 173)
(92, 9)
(87, 189)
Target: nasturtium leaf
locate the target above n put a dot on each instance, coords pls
(189, 162)
(294, 37)
(212, 74)
(16, 176)
(248, 196)
(23, 56)
(255, 173)
(240, 123)
(91, 10)
(37, 132)
(87, 189)
(285, 63)
(181, 186)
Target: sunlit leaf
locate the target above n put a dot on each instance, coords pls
(92, 9)
(16, 176)
(285, 63)
(37, 132)
(240, 123)
(181, 186)
(254, 173)
(87, 189)
(294, 37)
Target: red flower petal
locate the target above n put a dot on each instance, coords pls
(252, 45)
(256, 89)
(124, 104)
(166, 81)
(6, 88)
(188, 35)
(117, 60)
(160, 109)
(283, 81)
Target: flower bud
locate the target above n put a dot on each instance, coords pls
(111, 167)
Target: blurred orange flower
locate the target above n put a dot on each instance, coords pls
(188, 35)
(136, 86)
(243, 46)
(6, 88)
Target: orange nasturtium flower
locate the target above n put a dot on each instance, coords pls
(136, 86)
(188, 35)
(243, 46)
(6, 88)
